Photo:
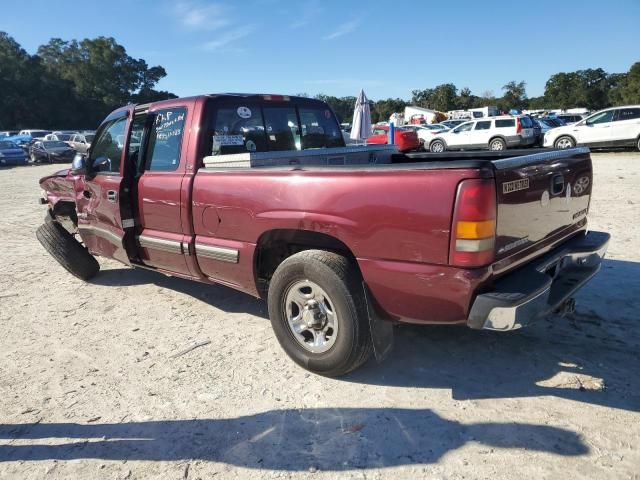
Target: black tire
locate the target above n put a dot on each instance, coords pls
(638, 144)
(340, 279)
(437, 146)
(69, 253)
(564, 142)
(497, 145)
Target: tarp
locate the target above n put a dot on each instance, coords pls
(361, 128)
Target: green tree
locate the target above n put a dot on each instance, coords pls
(515, 96)
(626, 87)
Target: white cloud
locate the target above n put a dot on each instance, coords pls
(228, 37)
(343, 29)
(201, 17)
(309, 12)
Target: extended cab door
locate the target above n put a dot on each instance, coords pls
(163, 189)
(98, 194)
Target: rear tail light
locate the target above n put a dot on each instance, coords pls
(518, 125)
(473, 231)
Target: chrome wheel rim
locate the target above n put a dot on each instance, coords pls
(496, 145)
(564, 143)
(311, 316)
(437, 147)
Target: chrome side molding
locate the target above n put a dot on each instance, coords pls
(223, 254)
(163, 244)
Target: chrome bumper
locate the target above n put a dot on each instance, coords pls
(540, 287)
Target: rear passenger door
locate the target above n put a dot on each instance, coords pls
(481, 133)
(625, 126)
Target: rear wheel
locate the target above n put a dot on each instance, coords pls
(318, 312)
(564, 142)
(437, 146)
(497, 144)
(69, 253)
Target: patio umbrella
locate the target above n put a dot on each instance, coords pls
(361, 128)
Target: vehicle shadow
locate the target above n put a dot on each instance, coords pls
(218, 296)
(296, 440)
(591, 357)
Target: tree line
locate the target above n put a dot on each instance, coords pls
(75, 84)
(71, 84)
(593, 89)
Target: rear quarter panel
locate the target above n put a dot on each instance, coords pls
(401, 218)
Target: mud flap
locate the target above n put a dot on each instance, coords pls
(381, 329)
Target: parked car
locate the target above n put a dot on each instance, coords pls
(452, 123)
(491, 242)
(50, 151)
(81, 142)
(496, 133)
(8, 133)
(11, 154)
(405, 138)
(59, 136)
(35, 133)
(23, 141)
(426, 131)
(570, 118)
(537, 131)
(612, 127)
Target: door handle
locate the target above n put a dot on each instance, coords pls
(112, 196)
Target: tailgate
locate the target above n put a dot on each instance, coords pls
(541, 199)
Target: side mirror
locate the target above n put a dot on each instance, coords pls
(100, 162)
(79, 165)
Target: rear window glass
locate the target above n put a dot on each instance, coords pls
(509, 122)
(526, 122)
(483, 125)
(261, 127)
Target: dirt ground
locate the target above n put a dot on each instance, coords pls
(89, 386)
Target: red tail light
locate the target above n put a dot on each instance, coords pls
(473, 231)
(518, 125)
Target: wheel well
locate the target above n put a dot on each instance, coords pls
(497, 136)
(566, 135)
(65, 214)
(275, 246)
(437, 139)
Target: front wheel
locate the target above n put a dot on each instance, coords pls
(69, 253)
(638, 144)
(497, 145)
(564, 142)
(437, 146)
(318, 312)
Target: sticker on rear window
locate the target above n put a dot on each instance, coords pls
(244, 112)
(251, 145)
(225, 140)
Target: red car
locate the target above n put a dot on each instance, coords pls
(259, 193)
(406, 140)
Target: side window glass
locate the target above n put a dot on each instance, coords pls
(465, 127)
(483, 125)
(106, 152)
(165, 140)
(319, 128)
(603, 117)
(627, 114)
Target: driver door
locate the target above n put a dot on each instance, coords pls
(99, 192)
(461, 136)
(595, 130)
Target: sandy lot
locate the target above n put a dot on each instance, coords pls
(89, 388)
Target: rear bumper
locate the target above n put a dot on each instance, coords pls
(540, 287)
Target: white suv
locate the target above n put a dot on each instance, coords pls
(613, 127)
(495, 133)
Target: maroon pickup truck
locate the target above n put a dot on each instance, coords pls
(259, 193)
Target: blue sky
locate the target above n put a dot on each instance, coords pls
(337, 47)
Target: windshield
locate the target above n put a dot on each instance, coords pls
(54, 144)
(7, 145)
